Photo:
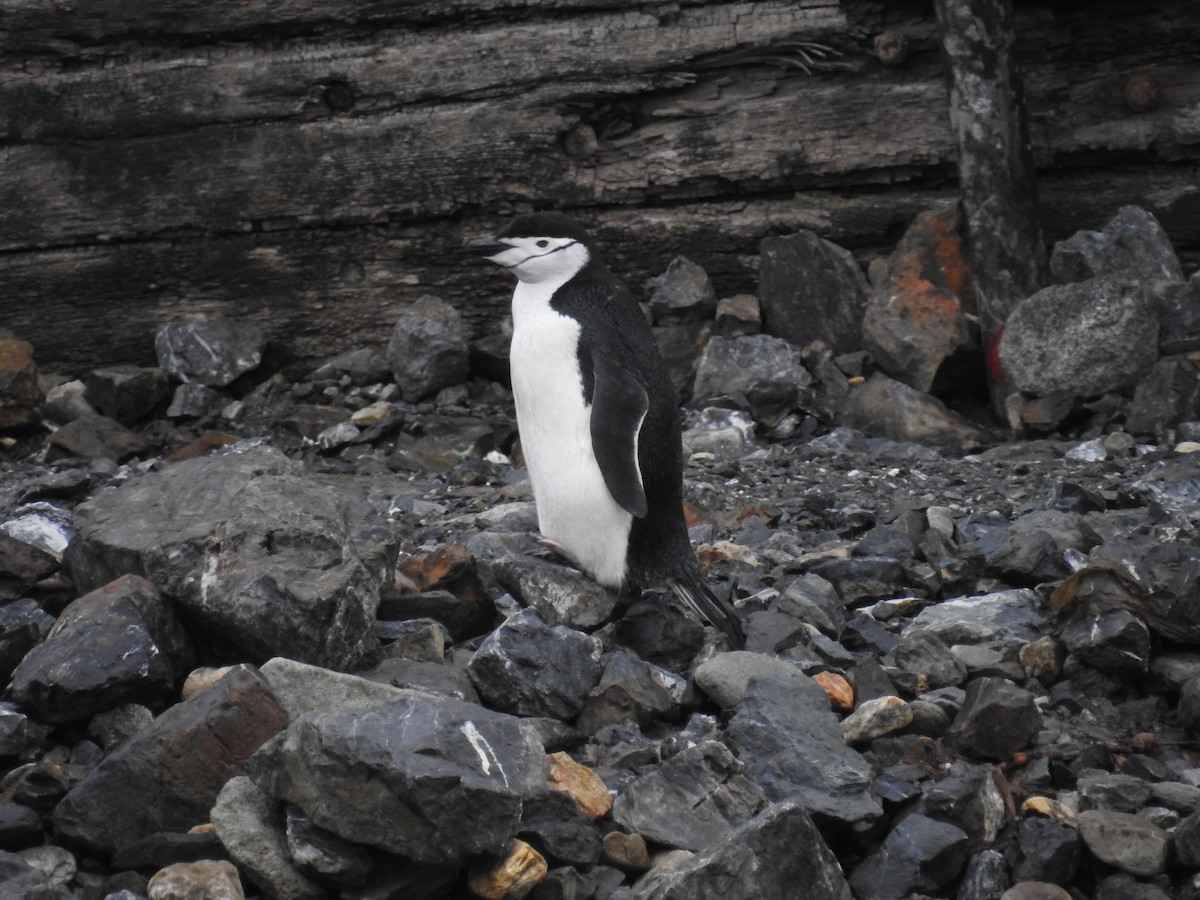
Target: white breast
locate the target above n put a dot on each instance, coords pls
(574, 506)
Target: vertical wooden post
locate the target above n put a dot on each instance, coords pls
(997, 183)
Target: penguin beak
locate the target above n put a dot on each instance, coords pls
(488, 247)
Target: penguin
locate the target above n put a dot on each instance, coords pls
(597, 416)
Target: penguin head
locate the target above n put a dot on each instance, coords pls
(538, 247)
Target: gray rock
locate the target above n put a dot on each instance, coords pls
(1176, 305)
(167, 776)
(324, 857)
(919, 855)
(533, 669)
(790, 743)
(266, 563)
(20, 826)
(1187, 841)
(22, 881)
(737, 315)
(559, 595)
(65, 402)
(211, 353)
(811, 290)
(813, 600)
(408, 775)
(1120, 886)
(751, 861)
(120, 643)
(1021, 553)
(630, 690)
(1168, 394)
(192, 400)
(763, 374)
(690, 801)
(1005, 619)
(996, 718)
(301, 688)
(428, 349)
(93, 436)
(1081, 339)
(1112, 639)
(251, 826)
(967, 796)
(1038, 890)
(1050, 851)
(1125, 841)
(986, 876)
(727, 676)
(363, 365)
(125, 393)
(924, 653)
(1112, 790)
(554, 824)
(681, 346)
(426, 676)
(682, 293)
(888, 408)
(1133, 245)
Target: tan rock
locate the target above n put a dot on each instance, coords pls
(837, 689)
(582, 784)
(626, 852)
(205, 879)
(512, 877)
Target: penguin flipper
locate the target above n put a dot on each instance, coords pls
(619, 405)
(692, 590)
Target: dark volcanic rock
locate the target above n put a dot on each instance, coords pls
(692, 800)
(747, 368)
(918, 855)
(120, 643)
(93, 436)
(1132, 245)
(533, 669)
(252, 552)
(211, 353)
(428, 349)
(996, 718)
(811, 290)
(768, 858)
(167, 777)
(559, 595)
(251, 827)
(682, 293)
(125, 393)
(407, 775)
(790, 744)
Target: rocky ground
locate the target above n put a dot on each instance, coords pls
(294, 635)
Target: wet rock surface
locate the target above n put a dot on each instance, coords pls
(296, 635)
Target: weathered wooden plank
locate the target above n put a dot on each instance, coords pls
(768, 132)
(142, 90)
(107, 19)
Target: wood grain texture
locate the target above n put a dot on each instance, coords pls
(309, 167)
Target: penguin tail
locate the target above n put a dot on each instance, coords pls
(692, 590)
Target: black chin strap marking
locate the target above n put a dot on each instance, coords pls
(540, 255)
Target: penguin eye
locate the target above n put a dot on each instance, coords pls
(543, 243)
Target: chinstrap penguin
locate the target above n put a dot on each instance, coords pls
(597, 416)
